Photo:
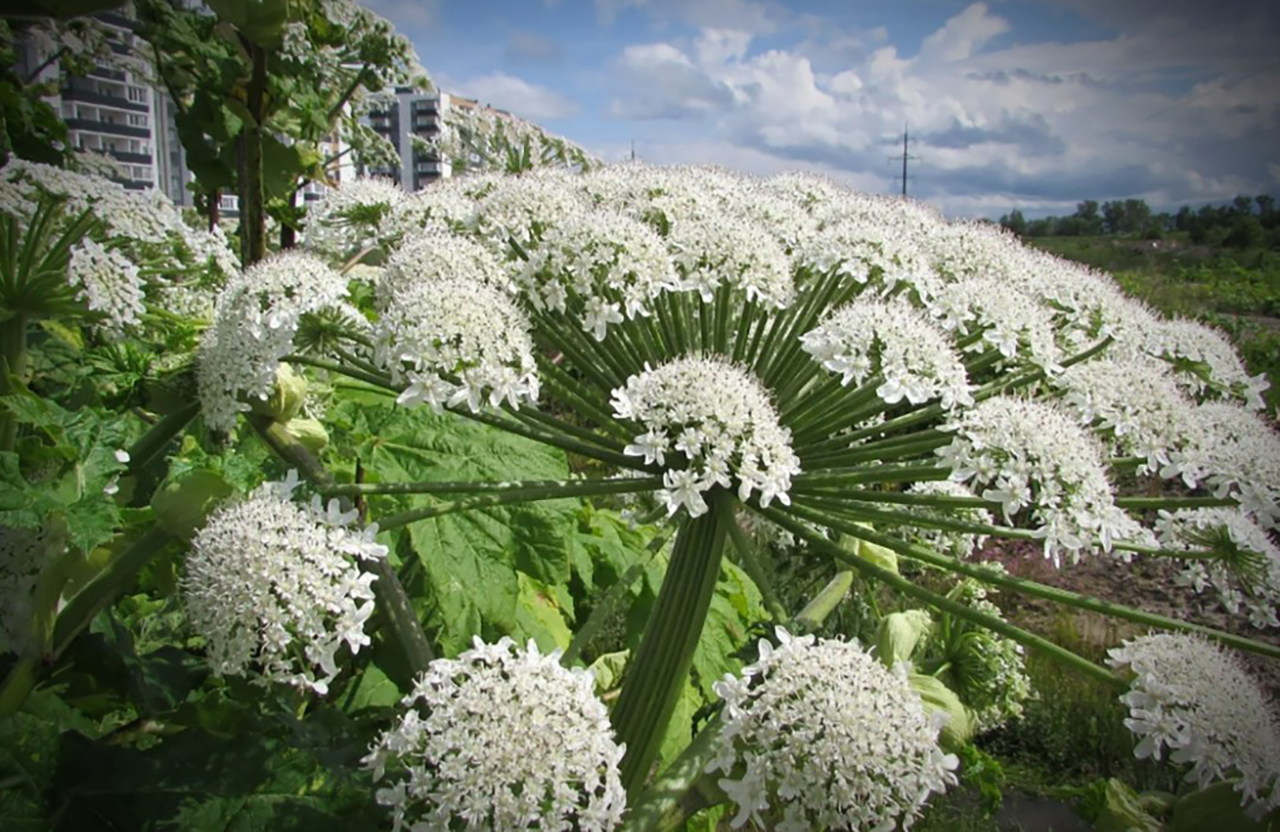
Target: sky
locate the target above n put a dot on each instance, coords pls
(1026, 104)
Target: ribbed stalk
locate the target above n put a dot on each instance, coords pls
(13, 365)
(657, 674)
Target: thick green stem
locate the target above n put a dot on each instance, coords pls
(161, 434)
(660, 666)
(13, 369)
(825, 602)
(682, 789)
(253, 201)
(391, 595)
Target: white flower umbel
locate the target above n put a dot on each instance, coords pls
(348, 218)
(819, 735)
(447, 330)
(1206, 363)
(1235, 453)
(1246, 574)
(891, 340)
(615, 265)
(1134, 402)
(254, 325)
(109, 283)
(501, 738)
(275, 589)
(1194, 699)
(722, 249)
(521, 208)
(715, 422)
(442, 205)
(1010, 321)
(1029, 454)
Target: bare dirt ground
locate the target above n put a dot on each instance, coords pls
(1147, 583)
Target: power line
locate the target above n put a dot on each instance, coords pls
(905, 157)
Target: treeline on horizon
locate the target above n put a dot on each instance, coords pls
(1244, 223)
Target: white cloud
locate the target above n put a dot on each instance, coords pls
(1274, 170)
(963, 35)
(1036, 125)
(507, 92)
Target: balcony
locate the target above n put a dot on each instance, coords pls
(105, 72)
(110, 129)
(132, 158)
(118, 102)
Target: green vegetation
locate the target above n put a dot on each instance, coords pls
(1237, 292)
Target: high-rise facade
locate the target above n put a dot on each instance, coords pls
(113, 111)
(412, 113)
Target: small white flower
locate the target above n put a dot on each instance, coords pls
(275, 588)
(725, 427)
(1193, 698)
(510, 740)
(826, 737)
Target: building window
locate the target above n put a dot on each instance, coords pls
(139, 120)
(138, 95)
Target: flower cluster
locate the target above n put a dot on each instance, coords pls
(723, 249)
(254, 325)
(610, 262)
(109, 283)
(1246, 572)
(1194, 699)
(275, 586)
(894, 344)
(716, 419)
(1136, 403)
(818, 734)
(1031, 455)
(1237, 454)
(347, 219)
(134, 241)
(501, 738)
(447, 328)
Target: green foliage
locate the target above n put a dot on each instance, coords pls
(458, 553)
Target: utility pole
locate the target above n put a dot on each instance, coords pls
(633, 150)
(905, 156)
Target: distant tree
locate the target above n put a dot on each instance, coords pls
(1015, 222)
(1184, 219)
(1089, 221)
(1242, 204)
(1112, 216)
(1267, 211)
(1246, 232)
(1042, 227)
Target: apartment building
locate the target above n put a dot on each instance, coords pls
(412, 113)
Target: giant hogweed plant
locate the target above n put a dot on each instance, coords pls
(854, 373)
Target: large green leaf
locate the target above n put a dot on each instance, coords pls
(471, 560)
